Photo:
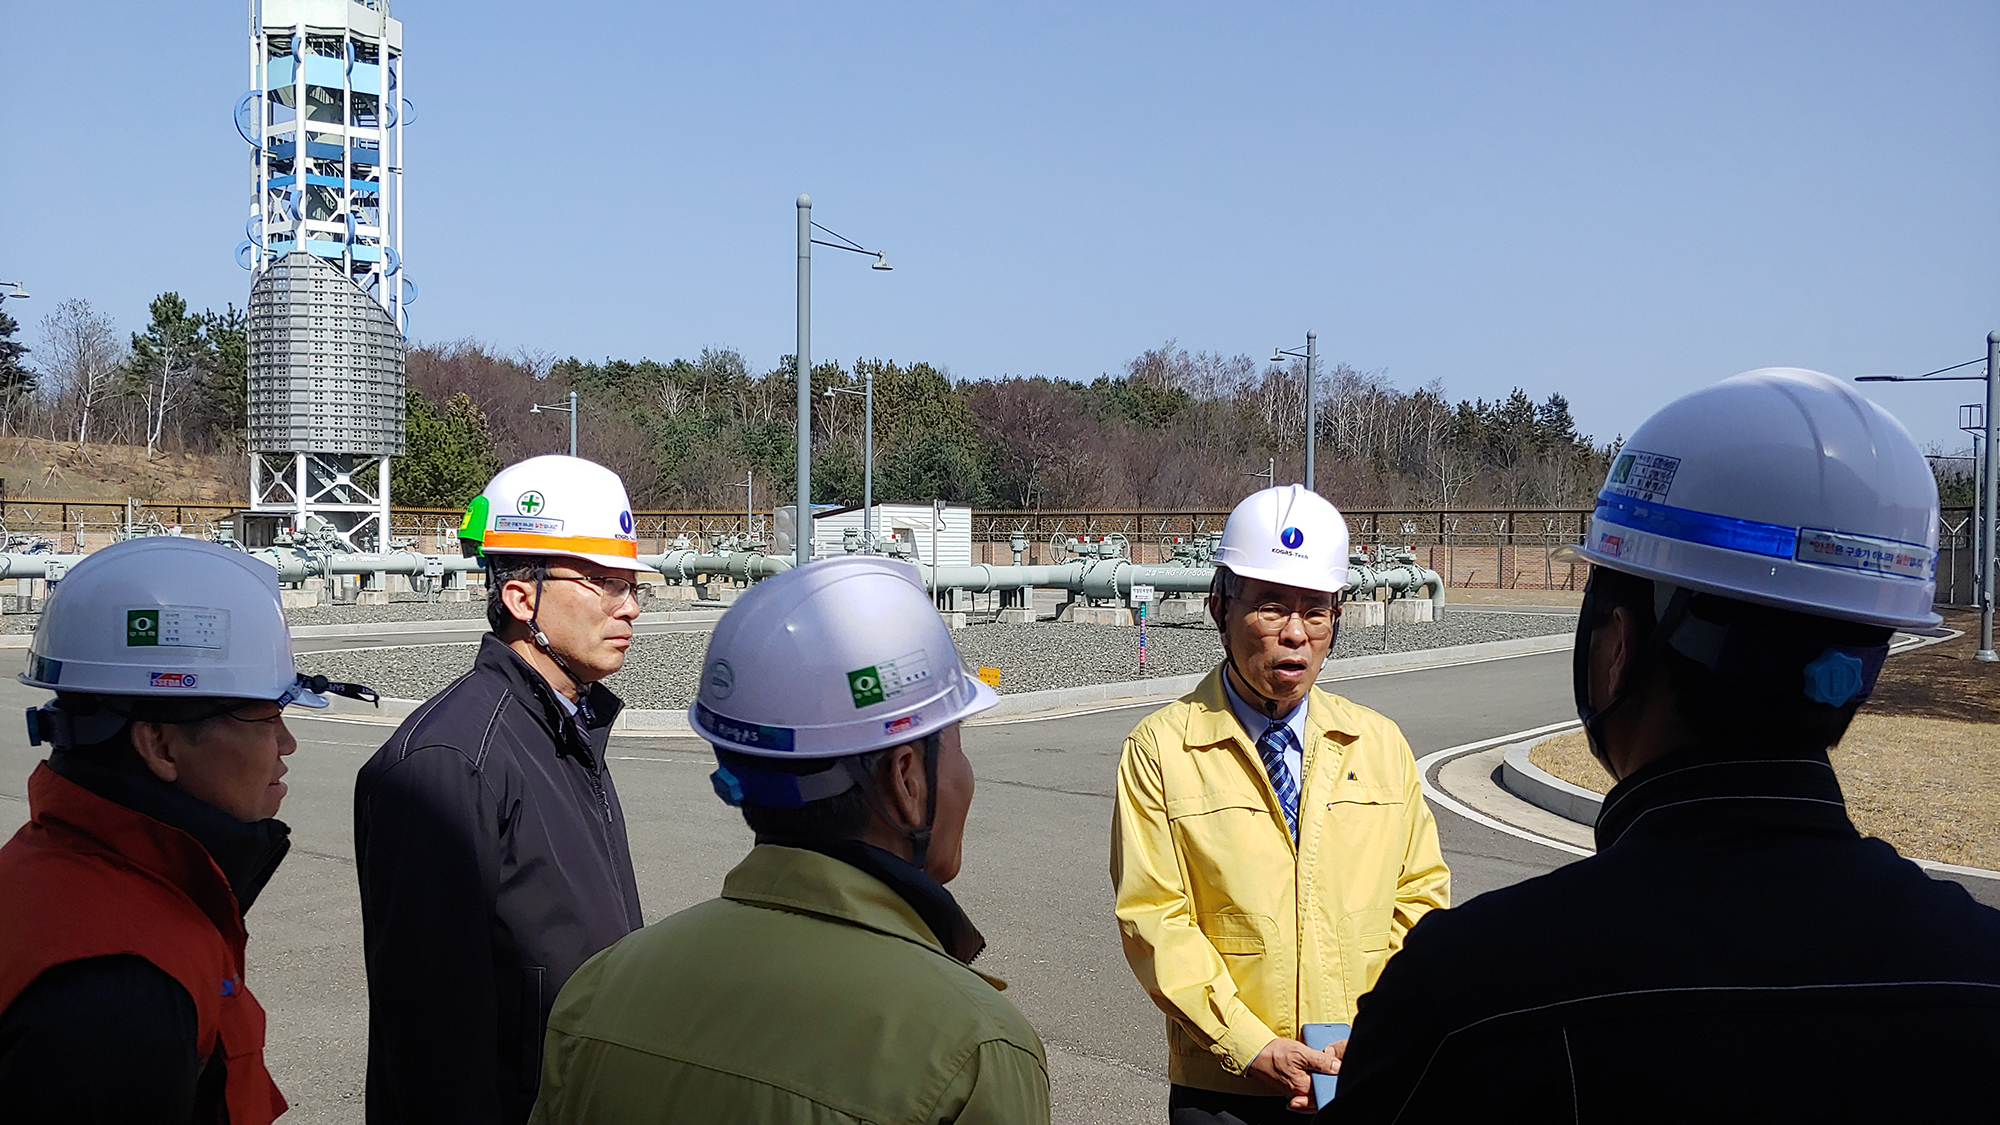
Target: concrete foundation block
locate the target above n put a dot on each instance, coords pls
(1361, 615)
(663, 593)
(953, 619)
(301, 599)
(1018, 617)
(372, 597)
(1175, 611)
(1080, 614)
(397, 584)
(1410, 611)
(455, 595)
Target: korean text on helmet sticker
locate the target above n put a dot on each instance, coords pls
(176, 627)
(188, 680)
(1865, 552)
(1642, 475)
(889, 679)
(534, 525)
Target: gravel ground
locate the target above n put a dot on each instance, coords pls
(661, 670)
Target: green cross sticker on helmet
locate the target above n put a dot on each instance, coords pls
(530, 503)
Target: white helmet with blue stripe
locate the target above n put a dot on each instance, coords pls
(1781, 487)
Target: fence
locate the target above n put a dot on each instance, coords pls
(1485, 548)
(1497, 548)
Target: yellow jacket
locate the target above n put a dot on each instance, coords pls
(1239, 935)
(810, 993)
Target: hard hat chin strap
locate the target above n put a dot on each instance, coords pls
(919, 838)
(542, 642)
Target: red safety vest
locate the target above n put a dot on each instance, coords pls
(87, 877)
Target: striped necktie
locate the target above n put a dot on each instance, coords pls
(1277, 739)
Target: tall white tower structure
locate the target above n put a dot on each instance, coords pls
(328, 297)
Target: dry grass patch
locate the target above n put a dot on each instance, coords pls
(1920, 766)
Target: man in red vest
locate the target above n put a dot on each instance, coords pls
(121, 901)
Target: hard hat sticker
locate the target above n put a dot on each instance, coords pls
(889, 679)
(906, 723)
(1642, 476)
(176, 627)
(1865, 552)
(174, 680)
(534, 525)
(1292, 538)
(530, 504)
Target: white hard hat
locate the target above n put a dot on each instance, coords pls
(555, 505)
(837, 658)
(1289, 536)
(168, 617)
(1781, 487)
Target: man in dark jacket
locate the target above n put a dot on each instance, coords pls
(489, 840)
(1735, 951)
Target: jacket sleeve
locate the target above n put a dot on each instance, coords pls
(427, 856)
(1425, 884)
(105, 1039)
(1172, 958)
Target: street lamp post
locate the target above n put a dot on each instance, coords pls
(1312, 403)
(802, 506)
(1989, 479)
(570, 410)
(867, 454)
(20, 291)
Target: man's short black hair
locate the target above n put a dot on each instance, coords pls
(842, 816)
(501, 569)
(1721, 712)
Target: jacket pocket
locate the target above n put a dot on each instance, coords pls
(1234, 933)
(1369, 930)
(531, 1026)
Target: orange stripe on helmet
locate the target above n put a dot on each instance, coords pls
(560, 544)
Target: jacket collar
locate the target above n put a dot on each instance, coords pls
(1735, 785)
(813, 882)
(216, 860)
(582, 735)
(1213, 722)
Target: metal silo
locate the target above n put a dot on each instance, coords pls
(328, 297)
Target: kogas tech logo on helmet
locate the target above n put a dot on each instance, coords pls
(721, 679)
(1292, 538)
(625, 522)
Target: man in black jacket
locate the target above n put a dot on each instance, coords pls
(489, 839)
(1735, 951)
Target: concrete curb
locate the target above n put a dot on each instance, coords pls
(1544, 790)
(1056, 701)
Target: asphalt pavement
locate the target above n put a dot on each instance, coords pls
(1035, 877)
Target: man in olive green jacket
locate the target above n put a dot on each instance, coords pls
(832, 981)
(1270, 842)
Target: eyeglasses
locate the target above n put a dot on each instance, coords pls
(1271, 618)
(612, 591)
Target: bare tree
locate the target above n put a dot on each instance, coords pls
(82, 358)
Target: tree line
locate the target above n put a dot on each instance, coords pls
(181, 384)
(1174, 429)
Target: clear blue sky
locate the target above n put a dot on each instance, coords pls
(1619, 202)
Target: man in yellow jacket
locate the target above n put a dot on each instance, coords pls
(1270, 844)
(832, 981)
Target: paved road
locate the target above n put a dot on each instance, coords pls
(1035, 877)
